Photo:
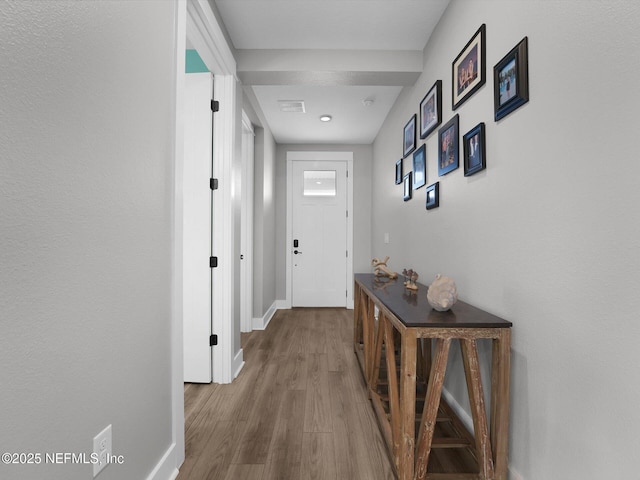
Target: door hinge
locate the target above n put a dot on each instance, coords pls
(213, 183)
(213, 340)
(347, 254)
(347, 173)
(213, 262)
(347, 213)
(215, 106)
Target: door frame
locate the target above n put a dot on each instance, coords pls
(246, 215)
(318, 156)
(205, 34)
(195, 21)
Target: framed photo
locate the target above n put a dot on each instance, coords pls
(433, 195)
(511, 81)
(409, 136)
(468, 69)
(420, 167)
(431, 110)
(407, 186)
(399, 172)
(474, 150)
(448, 147)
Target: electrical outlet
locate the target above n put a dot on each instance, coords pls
(102, 448)
(386, 238)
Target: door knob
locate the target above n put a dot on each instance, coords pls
(297, 252)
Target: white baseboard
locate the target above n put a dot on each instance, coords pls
(455, 406)
(514, 475)
(282, 305)
(166, 469)
(238, 363)
(468, 423)
(262, 322)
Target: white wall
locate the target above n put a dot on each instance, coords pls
(86, 132)
(548, 236)
(362, 157)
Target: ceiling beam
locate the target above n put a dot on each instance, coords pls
(329, 67)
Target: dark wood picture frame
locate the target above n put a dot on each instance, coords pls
(420, 167)
(409, 137)
(399, 172)
(431, 110)
(433, 196)
(511, 81)
(468, 70)
(474, 149)
(406, 190)
(448, 146)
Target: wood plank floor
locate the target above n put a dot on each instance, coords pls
(298, 410)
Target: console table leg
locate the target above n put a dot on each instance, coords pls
(392, 381)
(500, 385)
(431, 404)
(407, 402)
(478, 411)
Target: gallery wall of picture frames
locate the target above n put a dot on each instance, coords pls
(468, 75)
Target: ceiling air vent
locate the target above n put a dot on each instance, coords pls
(293, 106)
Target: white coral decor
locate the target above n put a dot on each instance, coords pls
(442, 293)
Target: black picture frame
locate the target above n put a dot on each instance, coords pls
(420, 167)
(399, 172)
(406, 190)
(448, 146)
(511, 80)
(409, 137)
(468, 70)
(433, 196)
(431, 110)
(474, 148)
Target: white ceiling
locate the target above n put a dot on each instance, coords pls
(332, 54)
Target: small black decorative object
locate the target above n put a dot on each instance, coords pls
(511, 81)
(474, 150)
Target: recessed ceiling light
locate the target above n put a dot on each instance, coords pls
(325, 118)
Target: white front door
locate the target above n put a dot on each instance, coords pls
(319, 230)
(197, 222)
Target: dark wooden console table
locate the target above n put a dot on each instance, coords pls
(407, 327)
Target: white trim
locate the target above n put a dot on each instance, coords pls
(281, 305)
(461, 412)
(166, 468)
(260, 323)
(319, 157)
(207, 38)
(177, 352)
(238, 363)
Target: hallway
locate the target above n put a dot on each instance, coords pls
(298, 409)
